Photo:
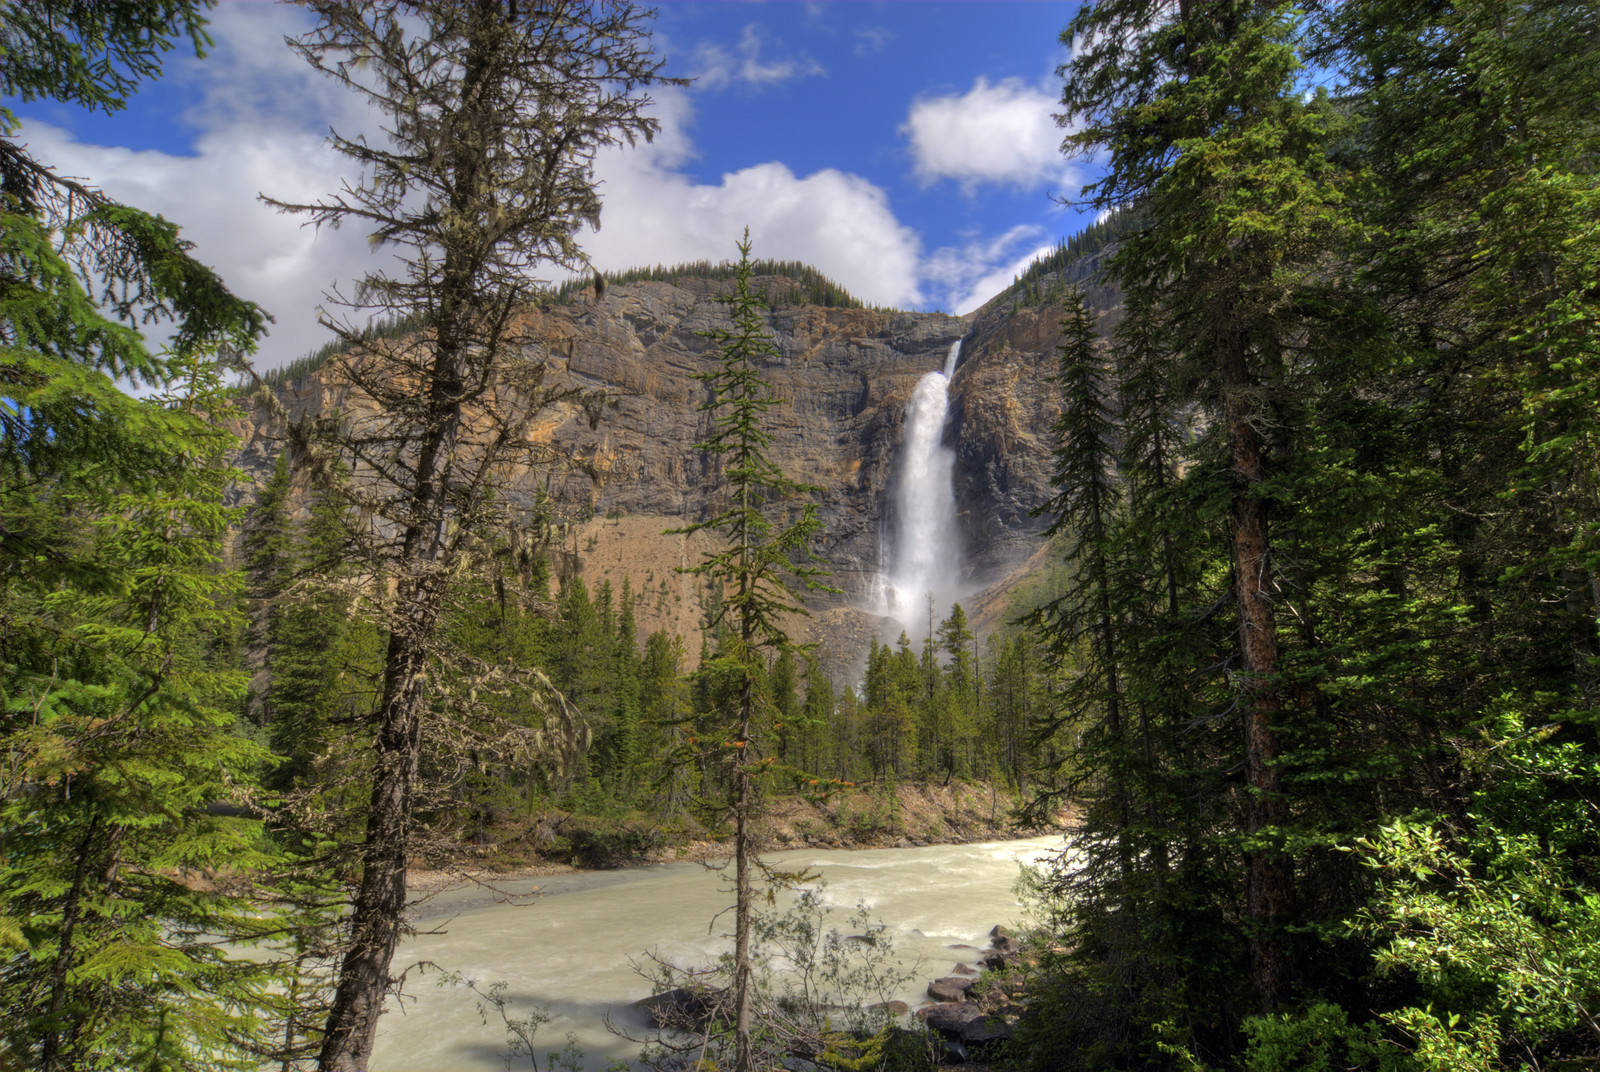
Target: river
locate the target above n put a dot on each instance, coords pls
(570, 948)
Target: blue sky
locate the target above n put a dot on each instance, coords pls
(906, 149)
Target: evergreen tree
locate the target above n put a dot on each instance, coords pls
(117, 727)
(321, 654)
(960, 693)
(626, 702)
(1083, 631)
(756, 573)
(1338, 388)
(784, 685)
(1209, 134)
(663, 709)
(818, 722)
(494, 115)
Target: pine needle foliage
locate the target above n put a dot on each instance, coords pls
(781, 284)
(760, 575)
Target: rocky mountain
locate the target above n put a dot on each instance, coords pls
(844, 374)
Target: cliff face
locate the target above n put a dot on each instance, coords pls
(844, 376)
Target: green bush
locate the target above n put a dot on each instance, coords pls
(1319, 1039)
(607, 843)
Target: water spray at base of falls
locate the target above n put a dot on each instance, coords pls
(924, 557)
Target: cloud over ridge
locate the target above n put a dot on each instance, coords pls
(1001, 133)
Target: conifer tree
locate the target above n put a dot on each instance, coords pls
(760, 574)
(1083, 630)
(663, 708)
(116, 724)
(818, 720)
(1212, 140)
(494, 114)
(625, 698)
(959, 694)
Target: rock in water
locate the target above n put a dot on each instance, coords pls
(950, 988)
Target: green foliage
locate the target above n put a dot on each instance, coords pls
(781, 283)
(91, 54)
(1349, 327)
(114, 601)
(1499, 927)
(1319, 1039)
(819, 994)
(1049, 278)
(118, 729)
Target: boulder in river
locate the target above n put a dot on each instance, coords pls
(964, 1022)
(950, 988)
(685, 1007)
(949, 1016)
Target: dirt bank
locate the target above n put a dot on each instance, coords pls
(849, 817)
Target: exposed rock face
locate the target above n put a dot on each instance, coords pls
(844, 377)
(843, 374)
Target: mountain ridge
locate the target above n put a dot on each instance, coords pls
(843, 376)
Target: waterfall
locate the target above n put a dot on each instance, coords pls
(926, 545)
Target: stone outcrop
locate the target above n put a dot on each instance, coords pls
(950, 988)
(843, 375)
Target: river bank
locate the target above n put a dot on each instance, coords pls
(852, 817)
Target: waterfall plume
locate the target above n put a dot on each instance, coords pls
(924, 557)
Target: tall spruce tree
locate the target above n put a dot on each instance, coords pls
(115, 721)
(761, 573)
(1082, 627)
(1210, 137)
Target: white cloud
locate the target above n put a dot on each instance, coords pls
(838, 222)
(718, 68)
(983, 267)
(999, 134)
(262, 115)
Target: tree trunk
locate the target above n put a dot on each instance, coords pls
(57, 1041)
(376, 915)
(743, 1044)
(1271, 872)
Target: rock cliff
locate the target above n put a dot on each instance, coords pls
(844, 376)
